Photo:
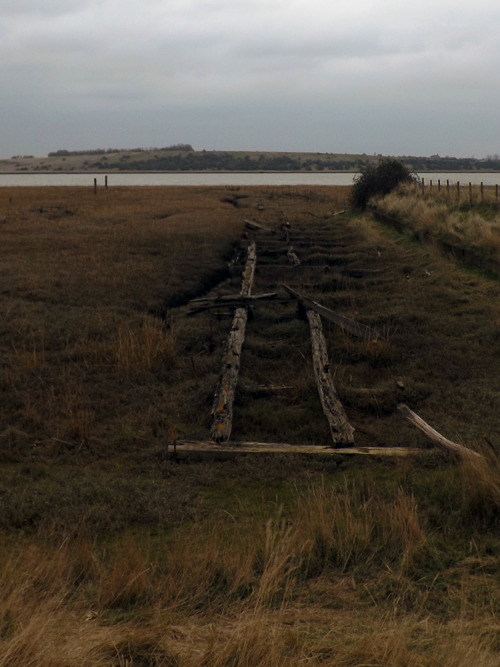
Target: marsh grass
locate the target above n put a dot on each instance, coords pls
(344, 572)
(471, 231)
(113, 553)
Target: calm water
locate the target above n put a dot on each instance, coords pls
(285, 178)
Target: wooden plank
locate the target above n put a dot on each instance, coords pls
(222, 408)
(359, 330)
(341, 431)
(232, 447)
(200, 305)
(434, 435)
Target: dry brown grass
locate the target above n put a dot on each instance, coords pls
(474, 230)
(330, 583)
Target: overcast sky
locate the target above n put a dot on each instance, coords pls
(369, 76)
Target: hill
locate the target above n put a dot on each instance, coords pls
(180, 159)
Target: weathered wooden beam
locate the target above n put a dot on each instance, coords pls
(233, 447)
(222, 409)
(232, 302)
(256, 227)
(230, 298)
(359, 330)
(249, 272)
(434, 435)
(341, 431)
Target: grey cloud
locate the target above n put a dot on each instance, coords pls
(250, 72)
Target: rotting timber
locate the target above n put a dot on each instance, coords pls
(222, 409)
(341, 431)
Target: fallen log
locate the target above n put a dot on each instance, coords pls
(341, 431)
(359, 330)
(232, 447)
(222, 408)
(434, 435)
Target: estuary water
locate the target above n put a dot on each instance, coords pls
(229, 178)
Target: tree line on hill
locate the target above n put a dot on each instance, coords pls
(227, 161)
(107, 151)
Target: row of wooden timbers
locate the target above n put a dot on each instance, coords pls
(342, 433)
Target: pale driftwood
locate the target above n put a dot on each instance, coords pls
(341, 431)
(284, 448)
(360, 330)
(434, 435)
(222, 409)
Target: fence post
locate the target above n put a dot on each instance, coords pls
(95, 186)
(458, 192)
(482, 192)
(496, 191)
(106, 182)
(439, 185)
(423, 185)
(470, 192)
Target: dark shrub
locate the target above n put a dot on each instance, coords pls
(378, 179)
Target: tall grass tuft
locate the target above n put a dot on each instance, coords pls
(481, 487)
(143, 348)
(349, 527)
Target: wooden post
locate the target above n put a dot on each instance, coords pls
(222, 408)
(496, 191)
(341, 431)
(106, 182)
(95, 186)
(470, 192)
(439, 185)
(482, 192)
(448, 187)
(423, 185)
(458, 192)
